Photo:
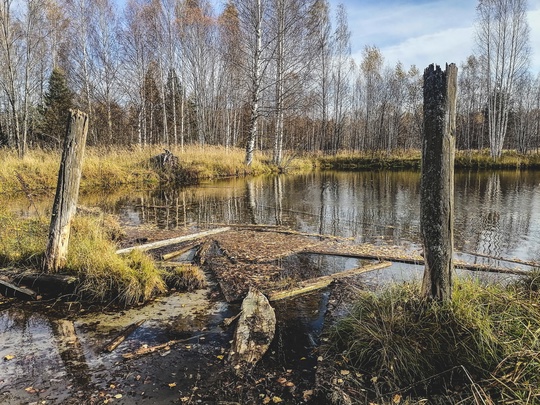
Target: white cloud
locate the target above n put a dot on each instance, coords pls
(436, 31)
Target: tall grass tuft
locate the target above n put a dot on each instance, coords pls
(487, 337)
(104, 275)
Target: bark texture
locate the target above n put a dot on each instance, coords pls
(67, 191)
(437, 182)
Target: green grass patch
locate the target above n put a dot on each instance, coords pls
(483, 346)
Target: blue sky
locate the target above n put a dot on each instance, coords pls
(423, 31)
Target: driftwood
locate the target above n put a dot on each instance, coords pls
(318, 283)
(179, 252)
(502, 259)
(147, 350)
(457, 263)
(113, 344)
(42, 283)
(254, 332)
(9, 289)
(173, 241)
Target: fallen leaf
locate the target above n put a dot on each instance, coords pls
(118, 396)
(266, 400)
(9, 357)
(396, 399)
(345, 372)
(282, 380)
(374, 379)
(276, 400)
(220, 356)
(307, 394)
(172, 385)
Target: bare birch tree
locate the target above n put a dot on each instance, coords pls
(502, 34)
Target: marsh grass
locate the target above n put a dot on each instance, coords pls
(111, 167)
(104, 276)
(484, 345)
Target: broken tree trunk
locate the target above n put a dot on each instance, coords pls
(67, 191)
(173, 241)
(315, 284)
(437, 180)
(254, 332)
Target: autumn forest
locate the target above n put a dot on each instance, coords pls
(272, 75)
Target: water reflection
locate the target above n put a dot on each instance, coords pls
(495, 211)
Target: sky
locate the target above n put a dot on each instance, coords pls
(421, 32)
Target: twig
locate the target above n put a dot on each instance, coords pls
(113, 344)
(146, 350)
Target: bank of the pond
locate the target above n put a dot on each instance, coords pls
(111, 167)
(108, 168)
(394, 347)
(411, 160)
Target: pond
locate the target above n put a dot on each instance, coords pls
(496, 214)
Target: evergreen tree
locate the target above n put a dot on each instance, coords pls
(55, 111)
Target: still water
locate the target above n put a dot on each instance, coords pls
(496, 214)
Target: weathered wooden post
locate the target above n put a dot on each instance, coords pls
(437, 182)
(67, 191)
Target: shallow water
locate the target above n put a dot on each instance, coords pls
(496, 214)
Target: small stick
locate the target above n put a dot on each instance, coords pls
(146, 350)
(113, 344)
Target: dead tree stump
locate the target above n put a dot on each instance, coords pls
(437, 181)
(67, 191)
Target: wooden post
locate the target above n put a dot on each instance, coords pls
(437, 182)
(67, 191)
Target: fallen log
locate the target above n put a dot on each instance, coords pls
(179, 252)
(254, 331)
(457, 263)
(318, 283)
(147, 350)
(113, 344)
(12, 290)
(173, 241)
(502, 259)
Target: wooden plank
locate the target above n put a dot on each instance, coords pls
(318, 283)
(458, 264)
(168, 242)
(179, 252)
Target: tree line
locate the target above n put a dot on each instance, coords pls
(274, 75)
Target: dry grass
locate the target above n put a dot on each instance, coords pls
(92, 257)
(110, 167)
(184, 277)
(484, 347)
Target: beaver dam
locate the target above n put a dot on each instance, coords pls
(177, 348)
(283, 263)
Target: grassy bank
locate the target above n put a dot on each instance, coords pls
(106, 168)
(483, 348)
(109, 168)
(103, 276)
(411, 160)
